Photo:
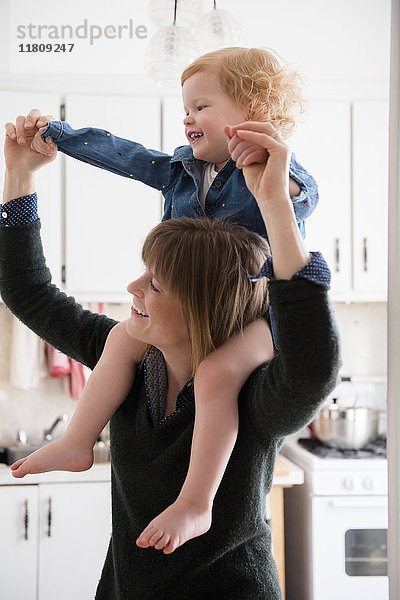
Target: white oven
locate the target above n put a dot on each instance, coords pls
(336, 529)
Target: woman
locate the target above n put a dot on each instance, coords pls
(233, 560)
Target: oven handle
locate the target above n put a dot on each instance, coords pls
(360, 502)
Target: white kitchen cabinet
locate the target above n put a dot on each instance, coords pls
(75, 529)
(173, 130)
(322, 144)
(53, 539)
(19, 526)
(370, 196)
(348, 158)
(48, 179)
(107, 217)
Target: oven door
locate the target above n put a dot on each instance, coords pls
(349, 548)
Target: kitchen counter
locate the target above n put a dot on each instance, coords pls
(286, 474)
(99, 472)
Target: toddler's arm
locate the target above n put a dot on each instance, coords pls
(100, 148)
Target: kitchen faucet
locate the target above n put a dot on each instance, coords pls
(48, 433)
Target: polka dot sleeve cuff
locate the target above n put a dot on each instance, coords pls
(316, 271)
(19, 211)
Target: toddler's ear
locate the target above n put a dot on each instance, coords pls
(228, 131)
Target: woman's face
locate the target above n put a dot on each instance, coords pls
(156, 315)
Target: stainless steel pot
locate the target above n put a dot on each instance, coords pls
(346, 428)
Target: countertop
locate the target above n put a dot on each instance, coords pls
(286, 473)
(99, 472)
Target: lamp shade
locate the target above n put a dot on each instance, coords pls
(169, 51)
(187, 12)
(218, 29)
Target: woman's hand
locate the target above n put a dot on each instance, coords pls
(244, 152)
(19, 154)
(22, 161)
(269, 184)
(271, 177)
(27, 131)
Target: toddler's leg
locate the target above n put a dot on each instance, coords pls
(104, 391)
(217, 384)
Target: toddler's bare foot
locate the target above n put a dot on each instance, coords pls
(56, 456)
(177, 524)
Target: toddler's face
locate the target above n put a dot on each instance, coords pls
(208, 109)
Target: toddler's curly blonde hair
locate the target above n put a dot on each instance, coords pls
(258, 83)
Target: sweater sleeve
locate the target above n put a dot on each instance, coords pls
(285, 393)
(26, 288)
(105, 150)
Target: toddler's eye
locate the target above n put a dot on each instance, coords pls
(200, 108)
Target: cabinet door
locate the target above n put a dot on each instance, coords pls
(48, 179)
(18, 542)
(107, 216)
(75, 529)
(370, 196)
(173, 130)
(322, 144)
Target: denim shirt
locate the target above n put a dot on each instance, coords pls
(179, 177)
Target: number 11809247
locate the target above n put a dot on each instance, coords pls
(45, 47)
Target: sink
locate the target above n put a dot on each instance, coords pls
(9, 454)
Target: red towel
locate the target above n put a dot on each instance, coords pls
(60, 365)
(77, 379)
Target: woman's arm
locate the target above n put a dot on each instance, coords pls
(285, 393)
(25, 281)
(268, 182)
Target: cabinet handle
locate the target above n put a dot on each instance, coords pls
(337, 255)
(26, 520)
(49, 517)
(365, 254)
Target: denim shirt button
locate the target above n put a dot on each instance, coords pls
(218, 183)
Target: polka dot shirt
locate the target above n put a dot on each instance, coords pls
(155, 381)
(316, 271)
(19, 211)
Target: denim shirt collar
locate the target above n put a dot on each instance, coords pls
(184, 154)
(194, 166)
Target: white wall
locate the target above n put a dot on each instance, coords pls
(330, 40)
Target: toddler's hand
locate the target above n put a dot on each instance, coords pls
(43, 147)
(244, 152)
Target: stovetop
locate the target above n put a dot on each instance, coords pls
(312, 454)
(373, 450)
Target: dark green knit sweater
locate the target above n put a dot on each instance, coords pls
(232, 561)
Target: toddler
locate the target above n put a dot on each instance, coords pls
(220, 89)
